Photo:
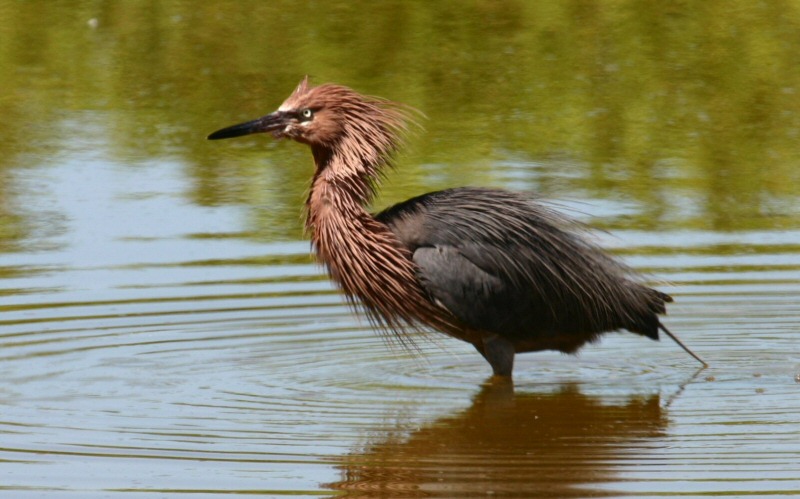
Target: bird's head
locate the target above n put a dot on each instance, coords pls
(330, 117)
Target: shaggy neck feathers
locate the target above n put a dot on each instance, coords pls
(361, 254)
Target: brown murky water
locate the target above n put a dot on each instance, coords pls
(163, 330)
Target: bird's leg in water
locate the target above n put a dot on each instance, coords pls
(499, 352)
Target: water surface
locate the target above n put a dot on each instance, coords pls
(163, 330)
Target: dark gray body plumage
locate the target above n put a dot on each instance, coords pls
(508, 266)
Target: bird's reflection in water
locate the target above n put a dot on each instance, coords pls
(555, 444)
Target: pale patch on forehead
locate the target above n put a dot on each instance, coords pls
(298, 97)
(292, 103)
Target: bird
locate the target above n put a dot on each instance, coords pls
(501, 270)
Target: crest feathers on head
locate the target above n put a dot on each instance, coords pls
(302, 87)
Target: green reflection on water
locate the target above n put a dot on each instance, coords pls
(689, 111)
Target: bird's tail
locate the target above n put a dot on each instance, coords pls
(680, 343)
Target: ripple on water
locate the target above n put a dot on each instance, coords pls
(190, 375)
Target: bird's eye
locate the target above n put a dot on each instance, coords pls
(306, 114)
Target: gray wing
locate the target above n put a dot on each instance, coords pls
(479, 298)
(504, 264)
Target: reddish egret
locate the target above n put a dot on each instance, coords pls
(487, 266)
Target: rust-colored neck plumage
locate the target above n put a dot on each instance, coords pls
(362, 255)
(352, 138)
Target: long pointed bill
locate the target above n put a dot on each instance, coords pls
(268, 123)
